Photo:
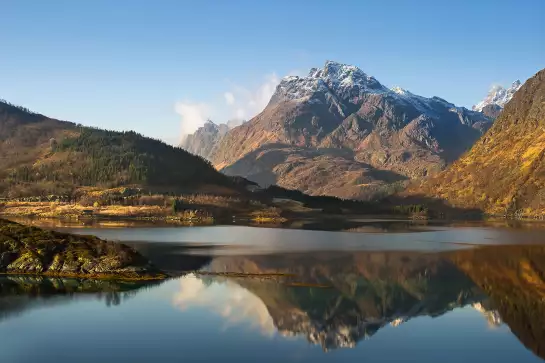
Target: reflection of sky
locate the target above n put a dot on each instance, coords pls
(183, 320)
(232, 302)
(275, 239)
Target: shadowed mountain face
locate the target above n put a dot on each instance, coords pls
(504, 173)
(343, 127)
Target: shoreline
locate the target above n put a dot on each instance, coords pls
(112, 277)
(74, 212)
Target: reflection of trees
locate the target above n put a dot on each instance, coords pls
(21, 293)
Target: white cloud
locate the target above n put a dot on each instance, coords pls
(241, 104)
(194, 115)
(229, 98)
(248, 102)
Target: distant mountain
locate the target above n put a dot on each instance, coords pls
(203, 141)
(497, 98)
(504, 173)
(339, 131)
(41, 156)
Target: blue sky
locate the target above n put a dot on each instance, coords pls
(141, 65)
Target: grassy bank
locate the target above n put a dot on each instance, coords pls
(136, 204)
(271, 205)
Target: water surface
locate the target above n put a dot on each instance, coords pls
(422, 293)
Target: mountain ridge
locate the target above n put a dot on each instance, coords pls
(339, 107)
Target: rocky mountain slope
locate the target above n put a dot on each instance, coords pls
(42, 156)
(339, 131)
(504, 173)
(31, 250)
(497, 98)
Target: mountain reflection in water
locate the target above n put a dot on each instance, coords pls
(336, 299)
(332, 299)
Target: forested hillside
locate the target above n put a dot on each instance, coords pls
(40, 155)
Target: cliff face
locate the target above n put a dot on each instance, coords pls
(505, 171)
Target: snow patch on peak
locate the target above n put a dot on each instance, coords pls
(498, 95)
(338, 75)
(400, 91)
(342, 80)
(343, 84)
(290, 78)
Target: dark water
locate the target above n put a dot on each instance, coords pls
(410, 293)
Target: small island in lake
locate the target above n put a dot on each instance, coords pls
(31, 250)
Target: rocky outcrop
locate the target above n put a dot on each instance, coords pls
(31, 250)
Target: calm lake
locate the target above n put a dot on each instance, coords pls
(373, 291)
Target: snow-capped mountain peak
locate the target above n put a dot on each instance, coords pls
(343, 80)
(341, 84)
(498, 95)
